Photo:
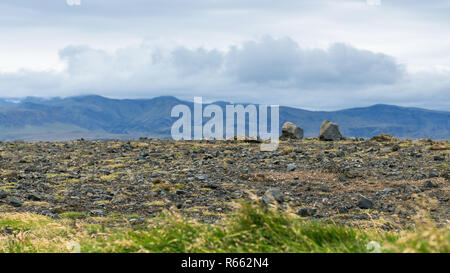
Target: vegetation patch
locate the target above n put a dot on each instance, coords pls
(251, 228)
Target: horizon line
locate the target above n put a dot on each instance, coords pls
(19, 100)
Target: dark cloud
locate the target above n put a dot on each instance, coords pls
(285, 62)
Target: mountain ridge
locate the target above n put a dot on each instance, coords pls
(129, 118)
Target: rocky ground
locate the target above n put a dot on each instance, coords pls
(381, 181)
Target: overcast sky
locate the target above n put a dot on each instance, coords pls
(316, 54)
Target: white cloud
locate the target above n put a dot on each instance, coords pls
(275, 71)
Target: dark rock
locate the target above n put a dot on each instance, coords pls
(429, 185)
(15, 202)
(97, 212)
(363, 216)
(212, 186)
(420, 176)
(433, 173)
(364, 203)
(305, 212)
(208, 156)
(387, 226)
(395, 148)
(3, 194)
(446, 175)
(8, 230)
(50, 214)
(12, 180)
(34, 197)
(342, 210)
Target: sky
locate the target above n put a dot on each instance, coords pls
(315, 54)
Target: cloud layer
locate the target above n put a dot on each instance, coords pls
(321, 54)
(283, 61)
(277, 71)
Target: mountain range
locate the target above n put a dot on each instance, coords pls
(96, 117)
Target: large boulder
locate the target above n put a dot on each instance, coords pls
(291, 131)
(329, 131)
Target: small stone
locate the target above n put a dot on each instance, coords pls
(395, 148)
(3, 194)
(342, 210)
(305, 212)
(15, 202)
(385, 191)
(438, 158)
(433, 173)
(34, 197)
(271, 195)
(291, 167)
(429, 185)
(342, 178)
(8, 230)
(446, 175)
(50, 214)
(212, 186)
(420, 176)
(180, 192)
(97, 212)
(296, 184)
(364, 203)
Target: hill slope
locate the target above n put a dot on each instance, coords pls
(99, 117)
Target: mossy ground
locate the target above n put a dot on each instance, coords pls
(250, 228)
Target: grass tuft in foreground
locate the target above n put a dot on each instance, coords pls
(251, 228)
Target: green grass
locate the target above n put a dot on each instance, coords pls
(73, 215)
(251, 228)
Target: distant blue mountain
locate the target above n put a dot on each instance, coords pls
(99, 117)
